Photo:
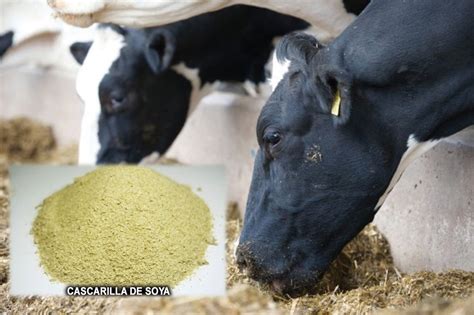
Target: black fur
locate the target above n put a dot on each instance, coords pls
(6, 41)
(355, 6)
(79, 51)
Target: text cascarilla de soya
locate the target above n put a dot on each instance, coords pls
(118, 291)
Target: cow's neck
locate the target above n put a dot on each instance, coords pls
(210, 43)
(414, 66)
(413, 74)
(199, 89)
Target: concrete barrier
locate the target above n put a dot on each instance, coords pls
(428, 218)
(45, 95)
(222, 131)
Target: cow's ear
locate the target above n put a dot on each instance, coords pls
(159, 50)
(6, 41)
(297, 46)
(79, 50)
(334, 92)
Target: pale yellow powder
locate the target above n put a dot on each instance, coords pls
(122, 225)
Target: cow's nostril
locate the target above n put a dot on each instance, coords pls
(241, 260)
(278, 286)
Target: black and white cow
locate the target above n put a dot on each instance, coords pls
(140, 85)
(341, 126)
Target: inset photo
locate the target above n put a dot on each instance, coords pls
(118, 226)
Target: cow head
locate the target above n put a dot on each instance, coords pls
(317, 176)
(135, 104)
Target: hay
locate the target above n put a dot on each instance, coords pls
(25, 140)
(436, 306)
(362, 280)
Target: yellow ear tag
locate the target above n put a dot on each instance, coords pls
(336, 104)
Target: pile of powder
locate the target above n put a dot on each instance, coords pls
(122, 225)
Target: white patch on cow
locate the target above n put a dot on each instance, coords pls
(328, 17)
(198, 92)
(414, 150)
(77, 7)
(279, 69)
(103, 52)
(137, 13)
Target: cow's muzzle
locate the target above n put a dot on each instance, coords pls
(284, 281)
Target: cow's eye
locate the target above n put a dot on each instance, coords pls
(115, 103)
(272, 138)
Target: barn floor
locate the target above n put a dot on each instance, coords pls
(362, 280)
